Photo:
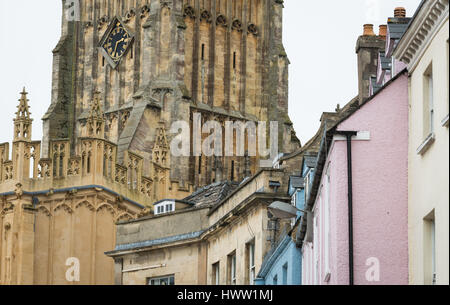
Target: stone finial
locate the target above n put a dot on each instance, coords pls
(23, 111)
(96, 118)
(23, 120)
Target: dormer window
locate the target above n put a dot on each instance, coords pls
(164, 207)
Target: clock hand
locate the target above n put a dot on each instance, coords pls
(117, 44)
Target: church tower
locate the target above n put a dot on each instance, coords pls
(157, 62)
(123, 72)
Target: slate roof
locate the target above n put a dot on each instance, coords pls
(297, 182)
(385, 62)
(212, 194)
(397, 26)
(375, 86)
(311, 161)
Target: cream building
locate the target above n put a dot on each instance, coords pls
(221, 239)
(425, 49)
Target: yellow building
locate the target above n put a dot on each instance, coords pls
(425, 49)
(61, 212)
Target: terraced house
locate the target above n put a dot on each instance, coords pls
(424, 49)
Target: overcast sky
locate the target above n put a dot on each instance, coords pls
(319, 36)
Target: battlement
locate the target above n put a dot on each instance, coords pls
(94, 163)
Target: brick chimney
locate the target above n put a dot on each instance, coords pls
(383, 31)
(368, 30)
(400, 12)
(367, 48)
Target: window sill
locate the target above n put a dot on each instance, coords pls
(426, 144)
(445, 121)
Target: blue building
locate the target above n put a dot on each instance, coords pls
(282, 265)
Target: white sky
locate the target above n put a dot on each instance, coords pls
(319, 36)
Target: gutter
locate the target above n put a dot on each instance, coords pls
(143, 245)
(349, 135)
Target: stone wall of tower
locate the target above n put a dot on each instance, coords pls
(224, 58)
(66, 206)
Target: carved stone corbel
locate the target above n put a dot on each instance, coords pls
(19, 191)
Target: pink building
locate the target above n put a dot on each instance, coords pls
(378, 195)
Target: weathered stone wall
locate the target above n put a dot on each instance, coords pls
(164, 226)
(39, 232)
(225, 57)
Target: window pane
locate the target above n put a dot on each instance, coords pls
(162, 281)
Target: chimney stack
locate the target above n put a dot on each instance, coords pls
(367, 48)
(368, 30)
(383, 31)
(400, 12)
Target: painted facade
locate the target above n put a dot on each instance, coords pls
(282, 265)
(379, 197)
(425, 50)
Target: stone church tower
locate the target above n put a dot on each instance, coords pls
(221, 58)
(123, 72)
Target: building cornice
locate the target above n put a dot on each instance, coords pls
(426, 23)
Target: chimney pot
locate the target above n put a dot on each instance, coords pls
(383, 31)
(400, 12)
(368, 30)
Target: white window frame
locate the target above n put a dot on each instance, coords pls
(251, 263)
(165, 207)
(161, 278)
(233, 269)
(216, 270)
(431, 100)
(294, 203)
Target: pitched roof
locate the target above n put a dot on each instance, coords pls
(296, 182)
(375, 85)
(386, 63)
(212, 194)
(397, 27)
(311, 161)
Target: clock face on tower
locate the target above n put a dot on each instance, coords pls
(116, 42)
